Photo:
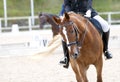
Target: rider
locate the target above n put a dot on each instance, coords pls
(85, 7)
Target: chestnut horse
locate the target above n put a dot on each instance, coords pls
(47, 18)
(84, 43)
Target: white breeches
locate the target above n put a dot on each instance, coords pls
(104, 24)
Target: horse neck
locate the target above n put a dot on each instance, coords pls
(91, 36)
(50, 20)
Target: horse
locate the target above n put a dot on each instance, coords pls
(47, 18)
(84, 44)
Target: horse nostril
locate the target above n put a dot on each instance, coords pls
(75, 55)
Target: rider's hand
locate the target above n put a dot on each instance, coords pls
(88, 14)
(61, 16)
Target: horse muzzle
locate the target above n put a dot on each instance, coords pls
(76, 54)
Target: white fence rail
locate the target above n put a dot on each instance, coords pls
(110, 18)
(41, 38)
(29, 25)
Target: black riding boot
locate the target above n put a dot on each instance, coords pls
(105, 38)
(65, 61)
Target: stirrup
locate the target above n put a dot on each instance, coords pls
(64, 62)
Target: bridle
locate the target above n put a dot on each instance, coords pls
(77, 42)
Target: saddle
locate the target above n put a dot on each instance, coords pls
(96, 24)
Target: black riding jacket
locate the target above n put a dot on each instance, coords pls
(79, 6)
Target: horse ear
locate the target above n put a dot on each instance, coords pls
(56, 20)
(67, 16)
(40, 14)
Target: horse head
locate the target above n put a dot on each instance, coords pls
(42, 19)
(72, 32)
(46, 18)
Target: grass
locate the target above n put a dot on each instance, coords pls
(22, 7)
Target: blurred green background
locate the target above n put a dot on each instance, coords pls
(22, 7)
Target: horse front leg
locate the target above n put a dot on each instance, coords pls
(83, 70)
(80, 71)
(99, 65)
(75, 67)
(78, 79)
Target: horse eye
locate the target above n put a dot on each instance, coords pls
(71, 31)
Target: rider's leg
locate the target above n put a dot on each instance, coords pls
(65, 61)
(105, 35)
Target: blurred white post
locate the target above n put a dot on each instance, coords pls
(15, 28)
(5, 12)
(32, 11)
(0, 26)
(109, 18)
(29, 23)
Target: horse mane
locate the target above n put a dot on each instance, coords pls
(79, 16)
(47, 14)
